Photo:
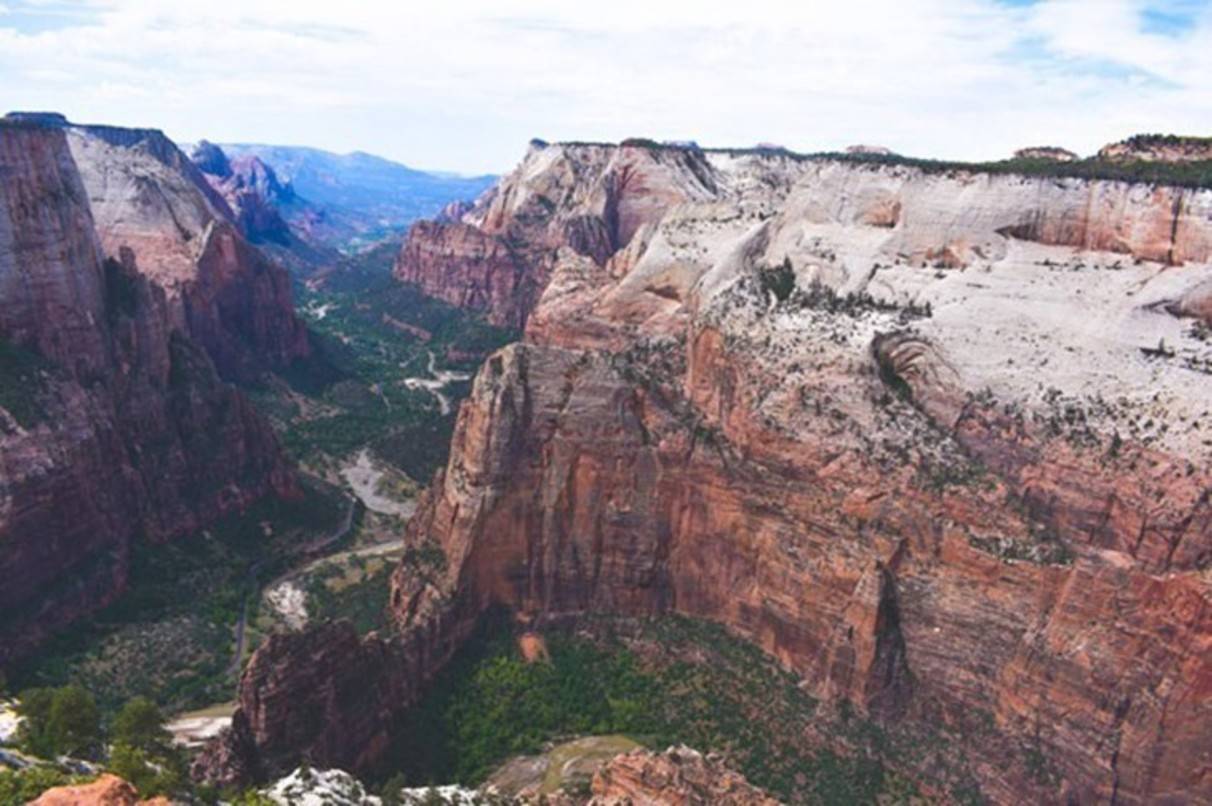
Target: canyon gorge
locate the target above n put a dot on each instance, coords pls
(933, 438)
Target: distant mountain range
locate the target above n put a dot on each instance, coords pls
(348, 201)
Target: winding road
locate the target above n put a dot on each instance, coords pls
(307, 550)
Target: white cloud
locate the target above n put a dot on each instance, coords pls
(463, 85)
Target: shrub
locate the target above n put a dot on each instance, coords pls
(74, 723)
(22, 786)
(160, 773)
(779, 280)
(140, 725)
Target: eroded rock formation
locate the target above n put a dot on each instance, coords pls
(108, 790)
(1054, 153)
(258, 200)
(497, 258)
(677, 777)
(936, 442)
(1159, 148)
(120, 299)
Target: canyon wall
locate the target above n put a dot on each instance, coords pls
(935, 441)
(593, 200)
(125, 298)
(260, 203)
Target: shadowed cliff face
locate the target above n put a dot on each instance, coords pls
(935, 442)
(114, 423)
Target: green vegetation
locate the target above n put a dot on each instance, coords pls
(779, 280)
(140, 724)
(158, 771)
(60, 722)
(66, 722)
(18, 787)
(359, 594)
(661, 682)
(170, 637)
(370, 333)
(22, 382)
(1196, 174)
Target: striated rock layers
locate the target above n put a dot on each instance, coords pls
(936, 442)
(677, 777)
(594, 200)
(123, 305)
(146, 196)
(497, 257)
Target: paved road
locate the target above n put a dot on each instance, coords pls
(309, 550)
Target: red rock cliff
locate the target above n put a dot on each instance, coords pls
(113, 420)
(146, 196)
(932, 441)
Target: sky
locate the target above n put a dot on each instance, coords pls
(462, 86)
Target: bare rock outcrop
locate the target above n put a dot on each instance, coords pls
(148, 197)
(881, 151)
(108, 790)
(259, 202)
(1158, 148)
(1053, 153)
(677, 777)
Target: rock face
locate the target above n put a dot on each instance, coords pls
(869, 149)
(108, 790)
(596, 201)
(677, 777)
(260, 203)
(324, 695)
(935, 441)
(114, 420)
(348, 202)
(1159, 148)
(1054, 153)
(146, 196)
(592, 201)
(250, 188)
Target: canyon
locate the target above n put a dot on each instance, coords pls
(130, 301)
(935, 440)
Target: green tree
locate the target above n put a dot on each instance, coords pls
(140, 724)
(389, 793)
(74, 723)
(22, 786)
(34, 706)
(159, 773)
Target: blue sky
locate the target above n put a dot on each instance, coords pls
(463, 85)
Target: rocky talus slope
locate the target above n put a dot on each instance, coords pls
(126, 296)
(937, 441)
